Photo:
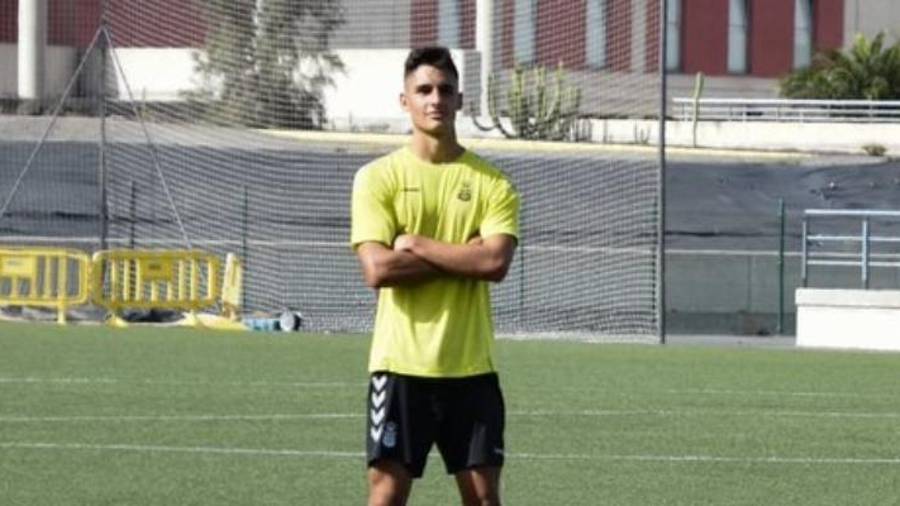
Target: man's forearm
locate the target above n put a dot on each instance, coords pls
(475, 260)
(383, 267)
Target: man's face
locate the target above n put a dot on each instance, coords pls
(431, 97)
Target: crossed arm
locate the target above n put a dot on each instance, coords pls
(415, 258)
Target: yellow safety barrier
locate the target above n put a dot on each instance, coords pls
(182, 280)
(232, 287)
(44, 277)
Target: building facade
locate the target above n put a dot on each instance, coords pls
(742, 46)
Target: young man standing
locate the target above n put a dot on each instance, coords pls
(432, 224)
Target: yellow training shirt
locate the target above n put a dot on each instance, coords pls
(441, 327)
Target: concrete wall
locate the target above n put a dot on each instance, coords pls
(756, 135)
(682, 85)
(855, 319)
(728, 292)
(735, 292)
(833, 137)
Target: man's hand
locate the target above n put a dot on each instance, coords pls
(404, 242)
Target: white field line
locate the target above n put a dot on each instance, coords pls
(711, 458)
(111, 381)
(254, 452)
(178, 418)
(705, 413)
(351, 384)
(183, 449)
(777, 393)
(516, 414)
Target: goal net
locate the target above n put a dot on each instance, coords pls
(237, 126)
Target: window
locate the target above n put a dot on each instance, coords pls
(802, 33)
(673, 34)
(595, 34)
(737, 36)
(523, 30)
(448, 23)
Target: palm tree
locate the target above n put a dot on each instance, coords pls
(868, 70)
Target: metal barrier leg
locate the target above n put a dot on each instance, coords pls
(62, 286)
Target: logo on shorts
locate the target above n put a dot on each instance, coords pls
(377, 411)
(390, 435)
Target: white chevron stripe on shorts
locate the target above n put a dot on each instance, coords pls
(377, 411)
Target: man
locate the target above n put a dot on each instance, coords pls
(432, 223)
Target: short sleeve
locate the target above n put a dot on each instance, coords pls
(372, 216)
(502, 215)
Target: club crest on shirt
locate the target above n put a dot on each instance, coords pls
(465, 193)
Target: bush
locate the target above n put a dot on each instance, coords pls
(874, 149)
(867, 71)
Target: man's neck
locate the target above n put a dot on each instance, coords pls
(436, 149)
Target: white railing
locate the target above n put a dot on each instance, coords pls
(828, 251)
(776, 109)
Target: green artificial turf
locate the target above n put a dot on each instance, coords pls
(162, 416)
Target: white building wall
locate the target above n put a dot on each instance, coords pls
(156, 74)
(869, 17)
(367, 95)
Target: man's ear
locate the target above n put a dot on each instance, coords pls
(459, 104)
(403, 104)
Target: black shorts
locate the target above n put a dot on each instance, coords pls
(407, 414)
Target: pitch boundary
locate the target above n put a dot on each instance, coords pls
(259, 452)
(517, 414)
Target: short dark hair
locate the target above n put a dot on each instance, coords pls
(436, 56)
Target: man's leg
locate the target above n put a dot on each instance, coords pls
(471, 437)
(479, 486)
(389, 483)
(399, 433)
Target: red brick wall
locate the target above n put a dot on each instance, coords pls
(9, 19)
(704, 28)
(84, 22)
(651, 58)
(467, 24)
(423, 27)
(828, 17)
(507, 33)
(134, 23)
(618, 34)
(156, 23)
(66, 21)
(560, 33)
(771, 37)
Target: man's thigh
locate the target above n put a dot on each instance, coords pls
(400, 425)
(389, 483)
(471, 423)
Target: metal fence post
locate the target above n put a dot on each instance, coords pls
(865, 253)
(803, 266)
(781, 218)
